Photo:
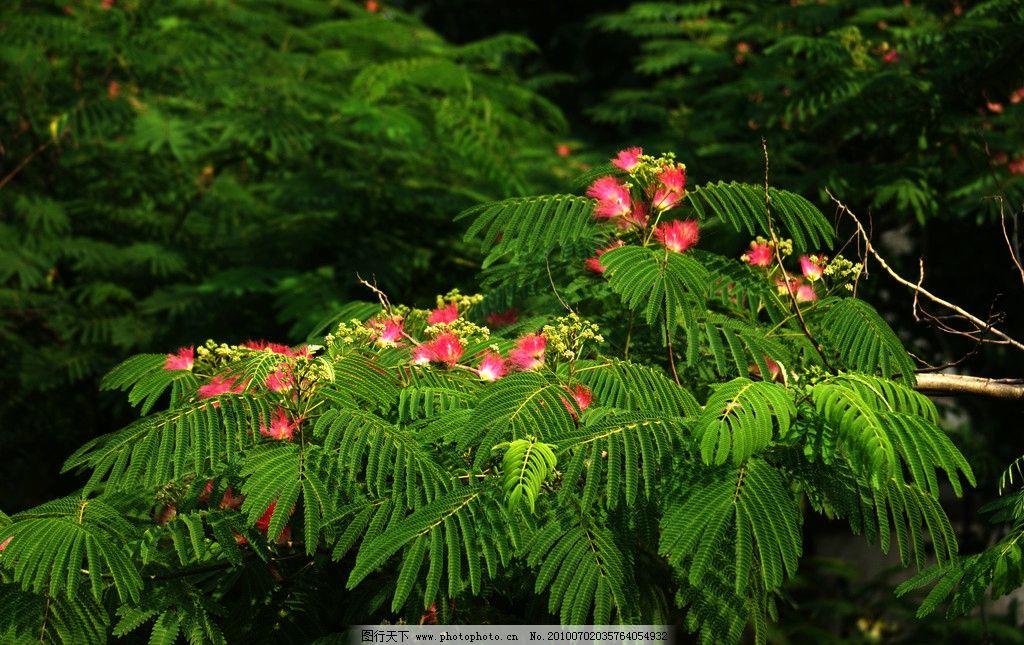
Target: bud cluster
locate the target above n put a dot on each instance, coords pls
(215, 355)
(464, 329)
(569, 334)
(843, 271)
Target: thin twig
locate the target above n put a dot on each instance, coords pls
(671, 355)
(1009, 245)
(384, 302)
(928, 367)
(978, 322)
(554, 289)
(778, 261)
(24, 162)
(1014, 252)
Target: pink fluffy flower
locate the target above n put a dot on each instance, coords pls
(279, 380)
(218, 385)
(388, 332)
(183, 360)
(446, 348)
(583, 397)
(678, 235)
(7, 540)
(613, 198)
(263, 524)
(774, 371)
(230, 500)
(810, 268)
(1016, 167)
(627, 159)
(1017, 96)
(529, 352)
(492, 367)
(672, 189)
(446, 314)
(780, 284)
(422, 354)
(204, 496)
(806, 293)
(759, 255)
(608, 188)
(281, 428)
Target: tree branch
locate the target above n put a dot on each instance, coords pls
(1012, 389)
(978, 322)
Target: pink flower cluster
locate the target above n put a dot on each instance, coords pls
(282, 379)
(616, 203)
(812, 268)
(388, 332)
(221, 384)
(277, 348)
(774, 371)
(497, 320)
(672, 188)
(446, 349)
(234, 502)
(759, 255)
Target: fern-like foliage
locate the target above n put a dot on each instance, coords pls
(592, 466)
(80, 619)
(881, 441)
(614, 454)
(585, 572)
(962, 583)
(740, 419)
(630, 386)
(665, 289)
(864, 341)
(52, 545)
(751, 508)
(746, 208)
(529, 224)
(527, 464)
(258, 159)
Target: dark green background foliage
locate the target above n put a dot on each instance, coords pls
(891, 105)
(186, 169)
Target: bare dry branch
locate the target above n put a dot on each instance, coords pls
(1009, 244)
(979, 324)
(384, 302)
